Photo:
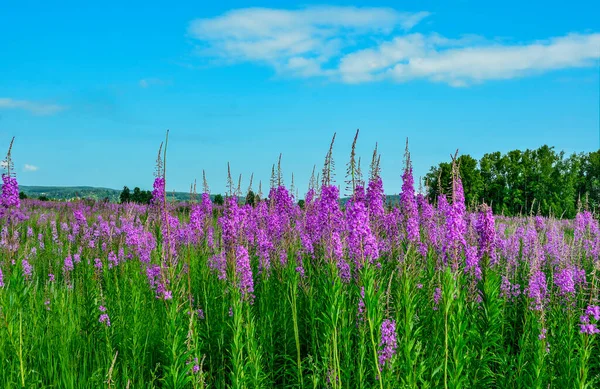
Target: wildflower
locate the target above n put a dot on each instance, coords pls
(26, 269)
(487, 234)
(68, 264)
(388, 341)
(408, 204)
(244, 273)
(51, 277)
(10, 192)
(104, 316)
(361, 304)
(436, 298)
(537, 290)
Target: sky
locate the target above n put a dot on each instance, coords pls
(89, 90)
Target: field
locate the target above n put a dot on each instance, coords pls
(364, 295)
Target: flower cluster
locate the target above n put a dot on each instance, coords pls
(388, 341)
(592, 312)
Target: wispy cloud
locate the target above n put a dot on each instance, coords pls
(355, 45)
(30, 168)
(300, 42)
(427, 57)
(35, 108)
(148, 82)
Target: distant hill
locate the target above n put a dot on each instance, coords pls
(71, 192)
(91, 192)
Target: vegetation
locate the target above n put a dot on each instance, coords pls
(540, 181)
(413, 295)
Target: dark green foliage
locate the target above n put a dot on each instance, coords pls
(218, 200)
(250, 198)
(43, 198)
(540, 181)
(138, 196)
(22, 196)
(125, 196)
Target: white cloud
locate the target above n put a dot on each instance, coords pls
(355, 45)
(40, 109)
(420, 57)
(300, 42)
(30, 168)
(148, 82)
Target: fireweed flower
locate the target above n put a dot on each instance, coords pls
(51, 277)
(244, 273)
(375, 200)
(485, 227)
(388, 341)
(437, 295)
(104, 319)
(361, 305)
(508, 290)
(10, 192)
(586, 326)
(408, 203)
(68, 264)
(455, 225)
(362, 245)
(27, 269)
(1, 279)
(537, 290)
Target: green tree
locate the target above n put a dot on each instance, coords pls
(218, 200)
(22, 196)
(136, 197)
(125, 196)
(250, 197)
(439, 180)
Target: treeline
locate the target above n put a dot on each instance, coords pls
(540, 181)
(138, 196)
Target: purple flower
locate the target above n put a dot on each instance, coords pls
(362, 244)
(10, 192)
(1, 279)
(437, 295)
(68, 264)
(537, 290)
(542, 334)
(388, 341)
(487, 234)
(27, 269)
(593, 310)
(408, 203)
(586, 326)
(51, 277)
(104, 316)
(244, 273)
(104, 319)
(361, 304)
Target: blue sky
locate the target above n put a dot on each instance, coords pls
(89, 91)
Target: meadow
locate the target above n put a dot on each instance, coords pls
(423, 294)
